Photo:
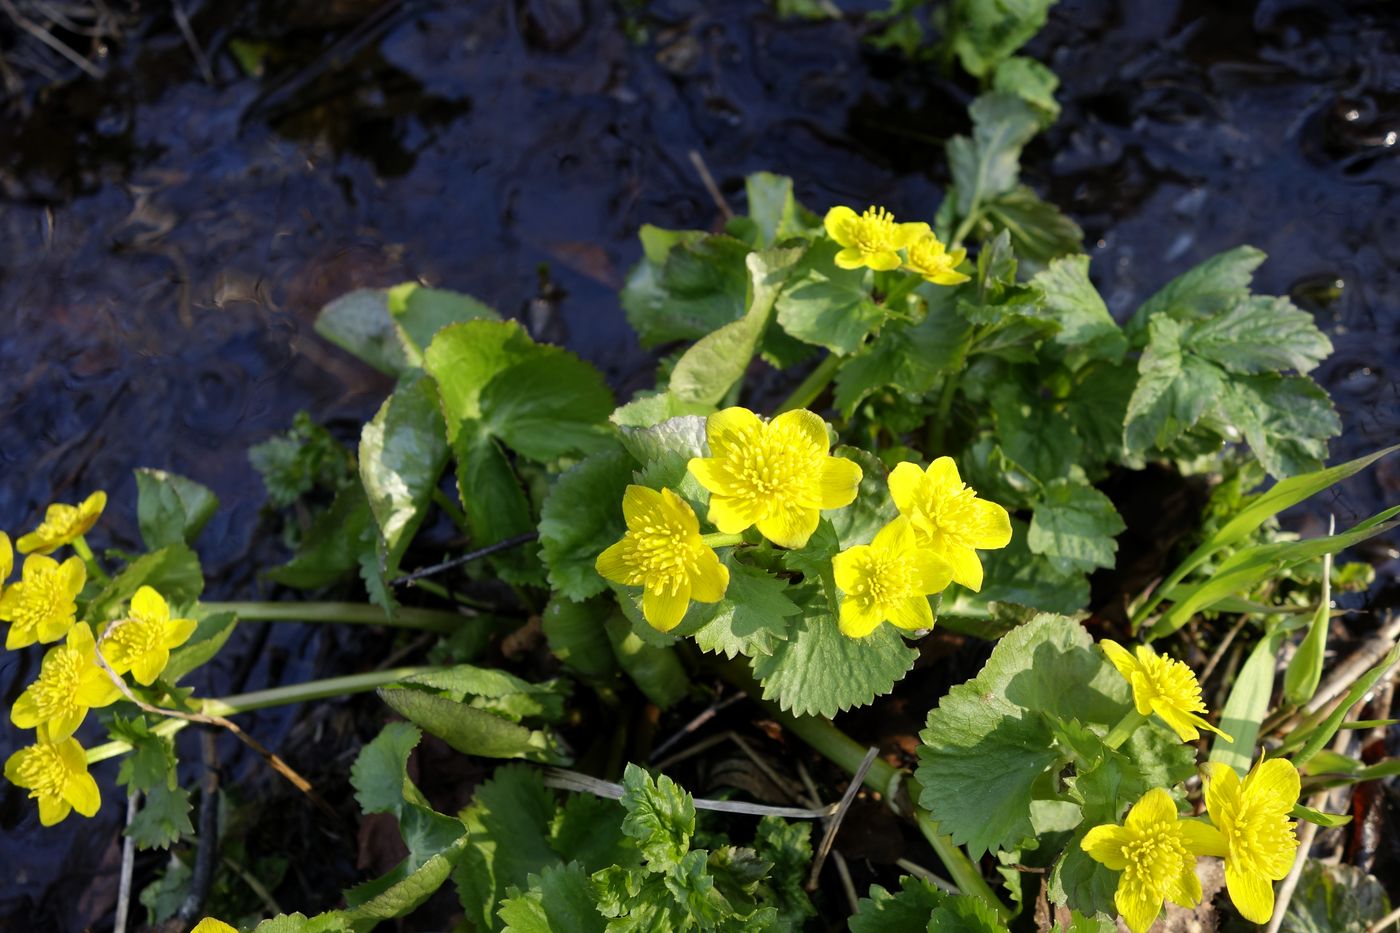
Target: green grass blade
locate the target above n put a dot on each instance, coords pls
(1247, 705)
(1329, 726)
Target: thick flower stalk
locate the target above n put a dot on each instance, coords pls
(929, 258)
(141, 642)
(889, 579)
(872, 239)
(63, 524)
(42, 606)
(664, 553)
(1164, 686)
(948, 518)
(1252, 816)
(778, 476)
(70, 683)
(55, 773)
(1156, 853)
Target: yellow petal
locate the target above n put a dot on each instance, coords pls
(966, 565)
(62, 725)
(880, 262)
(1203, 839)
(1252, 894)
(991, 525)
(1273, 783)
(805, 424)
(37, 565)
(178, 631)
(943, 477)
(1104, 844)
(1184, 888)
(790, 525)
(638, 504)
(913, 614)
(96, 689)
(949, 278)
(838, 482)
(1137, 905)
(74, 573)
(148, 666)
(730, 428)
(906, 487)
(931, 572)
(52, 810)
(210, 925)
(956, 257)
(1222, 792)
(12, 765)
(711, 578)
(7, 559)
(855, 621)
(732, 515)
(678, 513)
(846, 566)
(836, 221)
(25, 712)
(81, 791)
(1120, 658)
(905, 235)
(55, 626)
(1182, 723)
(615, 562)
(92, 508)
(897, 537)
(664, 607)
(1155, 806)
(149, 605)
(711, 473)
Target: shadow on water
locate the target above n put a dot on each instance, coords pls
(167, 241)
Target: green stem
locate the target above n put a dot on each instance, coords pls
(882, 777)
(457, 516)
(816, 382)
(965, 227)
(1126, 727)
(81, 546)
(717, 539)
(262, 699)
(428, 620)
(443, 593)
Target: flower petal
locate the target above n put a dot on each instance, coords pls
(1184, 888)
(1274, 784)
(74, 576)
(790, 525)
(848, 258)
(148, 666)
(913, 614)
(932, 574)
(81, 791)
(150, 605)
(1105, 845)
(710, 472)
(838, 482)
(732, 515)
(836, 221)
(730, 428)
(678, 514)
(805, 424)
(897, 537)
(1120, 658)
(1155, 806)
(1184, 724)
(1203, 839)
(856, 621)
(1222, 793)
(639, 503)
(991, 525)
(906, 487)
(711, 578)
(178, 631)
(846, 566)
(906, 235)
(25, 712)
(664, 607)
(52, 810)
(1252, 895)
(943, 476)
(967, 566)
(883, 261)
(1137, 905)
(949, 278)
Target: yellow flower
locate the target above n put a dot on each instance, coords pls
(663, 552)
(871, 239)
(1156, 853)
(929, 258)
(141, 642)
(1252, 816)
(70, 683)
(56, 773)
(778, 476)
(948, 517)
(63, 523)
(1164, 686)
(889, 578)
(41, 607)
(210, 925)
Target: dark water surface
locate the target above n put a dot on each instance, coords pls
(165, 243)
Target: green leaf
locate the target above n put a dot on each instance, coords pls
(380, 772)
(173, 571)
(1260, 334)
(989, 163)
(873, 509)
(908, 911)
(1031, 81)
(151, 761)
(495, 691)
(403, 889)
(1286, 420)
(582, 516)
(1247, 705)
(1015, 575)
(1086, 327)
(787, 847)
(751, 618)
(826, 305)
(421, 312)
(1206, 289)
(171, 509)
(402, 454)
(1304, 672)
(508, 832)
(984, 33)
(774, 211)
(1329, 726)
(333, 545)
(332, 921)
(911, 358)
(817, 670)
(1038, 439)
(1334, 899)
(1081, 883)
(209, 636)
(577, 636)
(588, 830)
(966, 914)
(665, 451)
(1318, 817)
(559, 898)
(548, 406)
(360, 324)
(713, 364)
(650, 408)
(1039, 231)
(297, 461)
(1074, 526)
(660, 817)
(687, 285)
(495, 505)
(1174, 390)
(164, 817)
(470, 730)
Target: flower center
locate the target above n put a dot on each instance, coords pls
(42, 598)
(873, 231)
(1155, 854)
(885, 579)
(928, 254)
(43, 772)
(950, 514)
(134, 638)
(56, 690)
(1261, 839)
(773, 466)
(1173, 681)
(663, 555)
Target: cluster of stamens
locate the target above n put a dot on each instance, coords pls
(874, 231)
(42, 770)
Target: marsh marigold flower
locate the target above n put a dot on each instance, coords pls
(778, 476)
(890, 579)
(948, 518)
(7, 561)
(62, 524)
(210, 925)
(42, 605)
(1164, 686)
(663, 552)
(871, 239)
(1258, 841)
(1156, 853)
(141, 642)
(930, 259)
(70, 683)
(55, 773)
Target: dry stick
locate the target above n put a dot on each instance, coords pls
(1387, 920)
(709, 713)
(133, 801)
(563, 779)
(847, 884)
(708, 181)
(200, 58)
(43, 35)
(275, 762)
(1220, 649)
(834, 824)
(703, 745)
(207, 840)
(465, 558)
(778, 780)
(919, 871)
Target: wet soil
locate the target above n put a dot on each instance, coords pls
(168, 240)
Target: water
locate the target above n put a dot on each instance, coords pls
(167, 242)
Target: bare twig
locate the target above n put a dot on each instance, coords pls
(708, 181)
(920, 871)
(207, 839)
(133, 804)
(1385, 922)
(44, 36)
(703, 745)
(847, 883)
(709, 713)
(573, 780)
(1220, 649)
(200, 59)
(834, 824)
(466, 558)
